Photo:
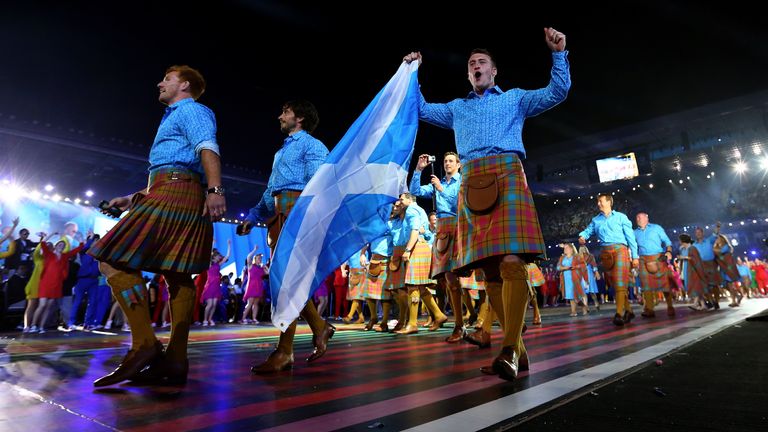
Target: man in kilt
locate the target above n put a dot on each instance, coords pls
(614, 231)
(713, 279)
(294, 165)
(498, 228)
(167, 230)
(417, 259)
(446, 192)
(655, 250)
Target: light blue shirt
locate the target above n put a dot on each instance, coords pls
(294, 165)
(652, 240)
(186, 129)
(705, 248)
(397, 231)
(493, 123)
(614, 229)
(416, 219)
(382, 245)
(446, 201)
(354, 260)
(429, 236)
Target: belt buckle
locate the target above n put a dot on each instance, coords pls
(174, 175)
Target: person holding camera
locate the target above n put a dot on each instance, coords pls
(498, 228)
(168, 230)
(446, 193)
(294, 165)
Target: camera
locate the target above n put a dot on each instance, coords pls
(111, 211)
(431, 159)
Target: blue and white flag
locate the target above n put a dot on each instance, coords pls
(347, 202)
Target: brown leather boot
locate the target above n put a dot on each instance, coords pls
(507, 364)
(163, 372)
(481, 338)
(321, 342)
(456, 336)
(132, 364)
(524, 364)
(276, 362)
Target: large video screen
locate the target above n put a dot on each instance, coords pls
(617, 168)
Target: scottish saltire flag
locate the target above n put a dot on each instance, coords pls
(347, 202)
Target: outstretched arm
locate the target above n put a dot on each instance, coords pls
(229, 251)
(10, 233)
(249, 259)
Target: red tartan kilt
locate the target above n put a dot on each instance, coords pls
(443, 261)
(355, 290)
(618, 276)
(711, 274)
(164, 231)
(510, 227)
(658, 281)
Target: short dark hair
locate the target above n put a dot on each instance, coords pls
(483, 51)
(23, 230)
(607, 196)
(192, 76)
(685, 238)
(450, 153)
(307, 111)
(408, 195)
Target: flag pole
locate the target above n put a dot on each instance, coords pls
(434, 190)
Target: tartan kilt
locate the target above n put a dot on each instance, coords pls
(471, 282)
(164, 230)
(417, 271)
(618, 276)
(444, 251)
(396, 279)
(355, 290)
(654, 281)
(711, 275)
(730, 273)
(510, 227)
(375, 286)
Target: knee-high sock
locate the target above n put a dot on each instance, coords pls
(402, 305)
(182, 298)
(455, 294)
(485, 306)
(413, 307)
(537, 313)
(386, 307)
(429, 302)
(315, 321)
(137, 311)
(467, 301)
(372, 309)
(621, 300)
(668, 298)
(648, 301)
(490, 317)
(515, 296)
(353, 309)
(494, 291)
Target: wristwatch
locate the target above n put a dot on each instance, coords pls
(218, 190)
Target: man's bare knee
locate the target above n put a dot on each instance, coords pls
(513, 258)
